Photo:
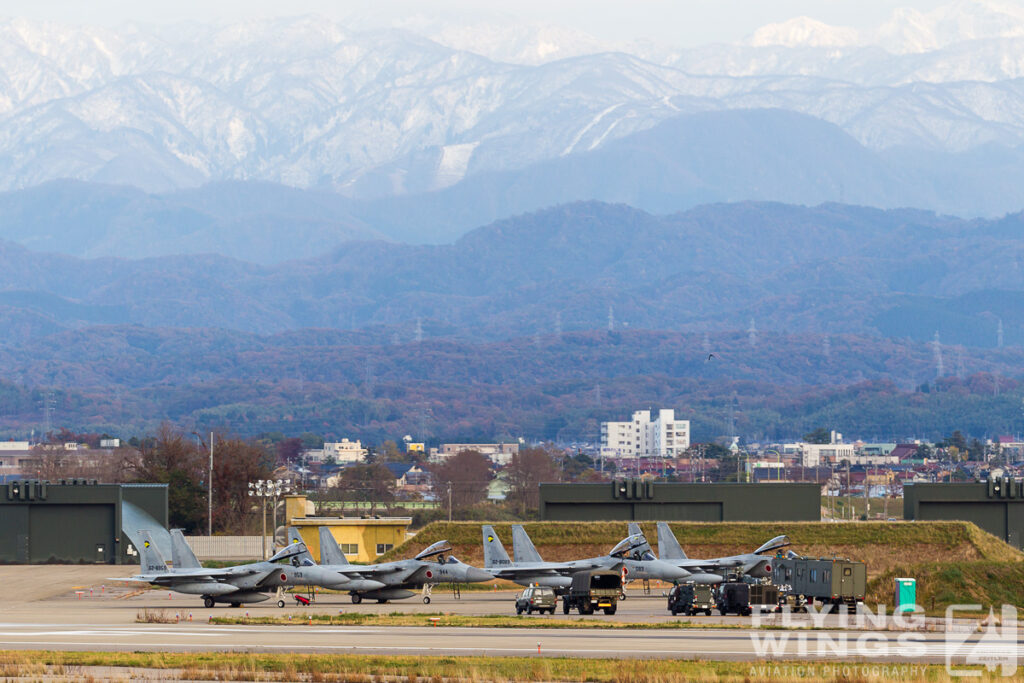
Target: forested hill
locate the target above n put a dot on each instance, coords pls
(126, 380)
(831, 268)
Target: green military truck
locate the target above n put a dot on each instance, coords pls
(591, 591)
(828, 581)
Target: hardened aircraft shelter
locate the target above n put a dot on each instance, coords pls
(640, 500)
(78, 521)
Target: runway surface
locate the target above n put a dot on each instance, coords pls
(738, 644)
(101, 616)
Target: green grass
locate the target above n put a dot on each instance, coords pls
(369, 668)
(458, 620)
(882, 545)
(940, 584)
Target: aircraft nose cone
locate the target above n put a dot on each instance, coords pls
(474, 575)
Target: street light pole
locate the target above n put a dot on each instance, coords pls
(209, 486)
(209, 494)
(268, 490)
(449, 501)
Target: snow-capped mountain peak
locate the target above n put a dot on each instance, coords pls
(804, 32)
(909, 31)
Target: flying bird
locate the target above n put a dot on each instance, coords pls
(710, 356)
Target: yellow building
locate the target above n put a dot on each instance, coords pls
(362, 540)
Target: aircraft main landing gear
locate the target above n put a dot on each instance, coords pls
(356, 598)
(207, 602)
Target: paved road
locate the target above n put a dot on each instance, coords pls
(704, 644)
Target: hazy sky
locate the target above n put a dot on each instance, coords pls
(676, 21)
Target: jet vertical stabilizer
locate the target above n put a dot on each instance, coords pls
(494, 552)
(634, 529)
(150, 559)
(668, 546)
(330, 553)
(523, 549)
(182, 556)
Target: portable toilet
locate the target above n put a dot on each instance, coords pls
(906, 595)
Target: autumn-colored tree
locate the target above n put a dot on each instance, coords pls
(53, 463)
(524, 474)
(468, 473)
(372, 484)
(235, 464)
(177, 461)
(289, 450)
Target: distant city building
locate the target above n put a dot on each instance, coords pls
(499, 453)
(1010, 447)
(664, 436)
(110, 443)
(16, 459)
(814, 454)
(344, 451)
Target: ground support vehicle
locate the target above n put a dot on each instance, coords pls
(593, 590)
(733, 597)
(828, 581)
(764, 597)
(690, 598)
(536, 599)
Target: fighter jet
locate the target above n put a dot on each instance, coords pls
(397, 579)
(234, 585)
(528, 567)
(752, 564)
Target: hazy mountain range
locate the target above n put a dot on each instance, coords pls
(375, 113)
(828, 269)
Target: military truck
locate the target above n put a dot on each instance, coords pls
(591, 591)
(733, 597)
(829, 581)
(690, 598)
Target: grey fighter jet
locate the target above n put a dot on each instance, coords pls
(234, 585)
(528, 567)
(397, 579)
(752, 564)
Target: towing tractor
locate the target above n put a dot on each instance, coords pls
(591, 591)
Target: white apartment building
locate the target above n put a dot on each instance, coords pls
(345, 451)
(814, 454)
(499, 453)
(645, 437)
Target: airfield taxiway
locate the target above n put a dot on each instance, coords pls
(70, 610)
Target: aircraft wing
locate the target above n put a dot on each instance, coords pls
(170, 578)
(715, 564)
(514, 571)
